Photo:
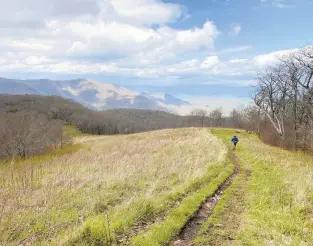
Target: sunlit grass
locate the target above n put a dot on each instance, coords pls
(72, 131)
(278, 201)
(102, 190)
(222, 226)
(280, 193)
(162, 233)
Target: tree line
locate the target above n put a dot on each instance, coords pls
(284, 101)
(28, 134)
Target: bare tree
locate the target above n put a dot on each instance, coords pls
(271, 98)
(217, 117)
(252, 119)
(236, 118)
(201, 114)
(28, 134)
(285, 95)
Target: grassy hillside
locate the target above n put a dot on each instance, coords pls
(126, 182)
(269, 203)
(142, 189)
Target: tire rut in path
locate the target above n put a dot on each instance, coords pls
(189, 232)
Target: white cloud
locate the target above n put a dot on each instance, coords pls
(239, 61)
(147, 11)
(37, 60)
(210, 62)
(278, 3)
(120, 37)
(211, 69)
(266, 60)
(214, 66)
(100, 28)
(29, 45)
(167, 42)
(234, 49)
(34, 13)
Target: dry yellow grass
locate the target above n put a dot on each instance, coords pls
(41, 202)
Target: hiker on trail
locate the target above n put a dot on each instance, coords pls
(235, 140)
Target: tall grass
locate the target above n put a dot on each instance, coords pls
(93, 194)
(278, 198)
(164, 232)
(281, 196)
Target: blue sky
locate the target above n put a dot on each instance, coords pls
(205, 51)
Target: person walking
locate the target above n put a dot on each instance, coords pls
(235, 140)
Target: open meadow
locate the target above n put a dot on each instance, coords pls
(111, 188)
(168, 187)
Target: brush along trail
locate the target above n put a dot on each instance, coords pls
(189, 232)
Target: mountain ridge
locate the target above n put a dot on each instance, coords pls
(93, 94)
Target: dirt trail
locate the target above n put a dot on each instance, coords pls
(190, 230)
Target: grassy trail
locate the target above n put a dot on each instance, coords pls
(191, 228)
(222, 226)
(184, 221)
(269, 203)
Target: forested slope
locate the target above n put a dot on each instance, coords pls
(32, 124)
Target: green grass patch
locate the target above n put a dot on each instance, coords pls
(278, 195)
(222, 226)
(164, 232)
(275, 214)
(66, 149)
(139, 210)
(72, 131)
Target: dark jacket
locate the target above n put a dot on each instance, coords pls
(235, 140)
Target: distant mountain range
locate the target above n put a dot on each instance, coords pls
(93, 94)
